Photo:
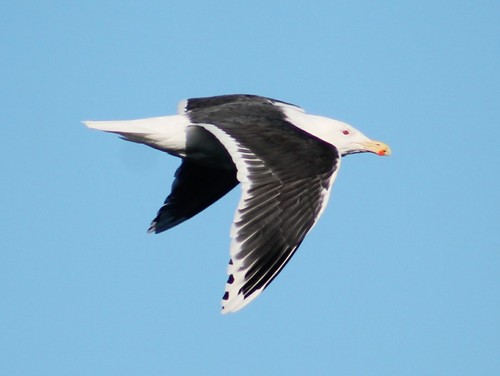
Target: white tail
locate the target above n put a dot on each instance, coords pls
(166, 133)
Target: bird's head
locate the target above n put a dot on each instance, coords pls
(348, 140)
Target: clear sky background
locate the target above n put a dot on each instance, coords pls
(401, 276)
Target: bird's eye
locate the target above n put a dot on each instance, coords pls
(346, 132)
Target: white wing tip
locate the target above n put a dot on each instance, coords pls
(234, 304)
(233, 299)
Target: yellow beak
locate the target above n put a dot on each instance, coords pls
(377, 147)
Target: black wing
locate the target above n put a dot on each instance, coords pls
(195, 187)
(286, 175)
(197, 104)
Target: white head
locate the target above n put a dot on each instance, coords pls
(348, 140)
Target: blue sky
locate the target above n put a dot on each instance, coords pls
(399, 277)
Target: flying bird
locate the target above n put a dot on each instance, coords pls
(285, 159)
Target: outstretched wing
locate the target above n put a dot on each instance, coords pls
(195, 187)
(286, 176)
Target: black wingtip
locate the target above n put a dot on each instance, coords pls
(152, 228)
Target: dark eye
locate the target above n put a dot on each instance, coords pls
(345, 131)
